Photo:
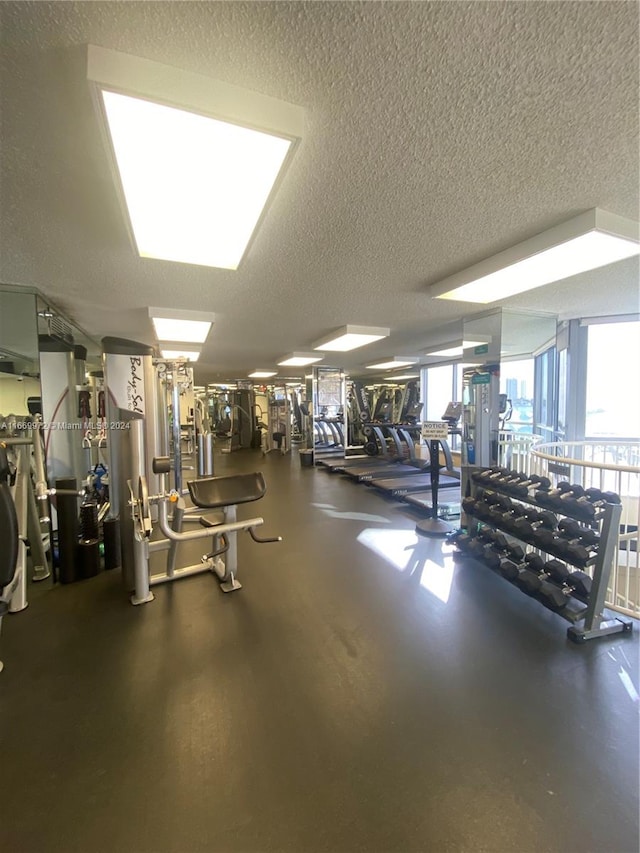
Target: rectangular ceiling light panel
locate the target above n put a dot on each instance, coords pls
(197, 159)
(189, 331)
(591, 240)
(191, 355)
(195, 187)
(389, 365)
(300, 359)
(263, 374)
(351, 337)
(457, 348)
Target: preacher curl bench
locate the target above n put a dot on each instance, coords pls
(211, 493)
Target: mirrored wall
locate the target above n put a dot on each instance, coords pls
(19, 365)
(48, 367)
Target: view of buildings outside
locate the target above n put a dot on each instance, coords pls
(613, 399)
(516, 381)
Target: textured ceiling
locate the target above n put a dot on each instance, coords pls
(435, 134)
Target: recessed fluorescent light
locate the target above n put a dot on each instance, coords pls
(591, 240)
(450, 351)
(399, 361)
(457, 348)
(190, 327)
(197, 159)
(190, 355)
(300, 359)
(405, 376)
(351, 337)
(263, 374)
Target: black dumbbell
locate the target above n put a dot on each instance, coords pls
(508, 519)
(512, 569)
(575, 582)
(552, 596)
(488, 474)
(476, 548)
(554, 497)
(533, 481)
(544, 539)
(570, 491)
(499, 547)
(459, 538)
(491, 556)
(579, 549)
(469, 505)
(570, 529)
(485, 534)
(530, 578)
(482, 476)
(500, 541)
(534, 522)
(515, 551)
(511, 482)
(593, 499)
(580, 583)
(501, 501)
(482, 511)
(599, 497)
(512, 479)
(556, 598)
(509, 569)
(505, 480)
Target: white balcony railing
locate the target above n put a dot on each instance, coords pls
(611, 465)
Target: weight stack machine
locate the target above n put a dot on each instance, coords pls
(132, 394)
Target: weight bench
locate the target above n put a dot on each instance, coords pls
(220, 493)
(8, 537)
(225, 493)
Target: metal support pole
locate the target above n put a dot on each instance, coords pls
(176, 525)
(177, 455)
(208, 454)
(200, 441)
(19, 584)
(140, 580)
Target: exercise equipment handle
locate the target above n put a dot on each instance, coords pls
(262, 540)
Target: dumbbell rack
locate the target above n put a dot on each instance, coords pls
(596, 621)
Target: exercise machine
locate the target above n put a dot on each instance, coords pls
(24, 455)
(223, 494)
(12, 545)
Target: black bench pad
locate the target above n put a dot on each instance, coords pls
(216, 492)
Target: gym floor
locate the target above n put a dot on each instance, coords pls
(360, 693)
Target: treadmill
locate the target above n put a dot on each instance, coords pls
(398, 487)
(424, 501)
(378, 469)
(449, 478)
(384, 457)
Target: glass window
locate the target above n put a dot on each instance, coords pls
(516, 383)
(439, 391)
(613, 359)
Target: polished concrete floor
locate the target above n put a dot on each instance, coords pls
(360, 693)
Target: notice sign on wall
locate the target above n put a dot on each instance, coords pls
(434, 430)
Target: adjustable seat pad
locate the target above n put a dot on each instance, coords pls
(216, 492)
(9, 541)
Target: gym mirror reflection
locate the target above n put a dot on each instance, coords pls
(72, 394)
(19, 368)
(502, 411)
(329, 406)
